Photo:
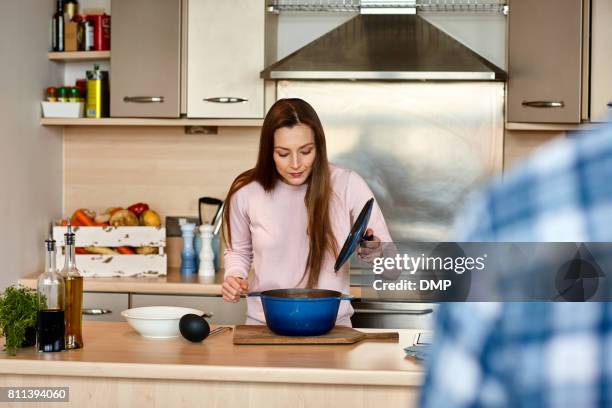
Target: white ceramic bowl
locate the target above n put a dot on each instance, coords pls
(157, 322)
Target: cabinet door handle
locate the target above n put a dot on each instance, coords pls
(609, 104)
(96, 312)
(144, 99)
(543, 104)
(225, 99)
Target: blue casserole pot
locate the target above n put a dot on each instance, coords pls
(300, 312)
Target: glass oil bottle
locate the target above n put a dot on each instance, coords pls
(74, 295)
(50, 326)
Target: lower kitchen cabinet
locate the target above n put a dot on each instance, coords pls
(223, 312)
(103, 306)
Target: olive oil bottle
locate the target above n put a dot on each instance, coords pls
(73, 281)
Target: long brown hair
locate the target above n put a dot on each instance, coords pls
(288, 113)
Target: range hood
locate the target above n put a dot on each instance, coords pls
(385, 47)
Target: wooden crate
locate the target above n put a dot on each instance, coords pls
(117, 265)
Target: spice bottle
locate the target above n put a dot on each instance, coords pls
(51, 94)
(62, 94)
(74, 94)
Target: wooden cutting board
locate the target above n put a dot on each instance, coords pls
(250, 334)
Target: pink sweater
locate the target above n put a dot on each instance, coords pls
(269, 230)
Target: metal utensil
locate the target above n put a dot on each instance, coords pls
(220, 330)
(218, 220)
(209, 201)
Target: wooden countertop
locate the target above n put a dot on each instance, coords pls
(172, 284)
(114, 350)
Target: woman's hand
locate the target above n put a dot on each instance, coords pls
(369, 248)
(233, 287)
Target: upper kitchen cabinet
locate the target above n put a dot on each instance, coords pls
(601, 60)
(146, 58)
(545, 61)
(225, 54)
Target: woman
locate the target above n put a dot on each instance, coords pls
(290, 214)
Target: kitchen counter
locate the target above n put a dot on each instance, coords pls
(172, 284)
(120, 368)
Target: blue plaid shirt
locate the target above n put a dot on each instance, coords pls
(532, 354)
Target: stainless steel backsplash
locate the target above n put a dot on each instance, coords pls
(421, 147)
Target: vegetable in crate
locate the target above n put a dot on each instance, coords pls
(123, 218)
(147, 250)
(150, 218)
(83, 218)
(112, 210)
(102, 219)
(138, 208)
(18, 309)
(101, 250)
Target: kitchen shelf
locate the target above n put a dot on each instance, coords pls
(79, 56)
(149, 122)
(395, 6)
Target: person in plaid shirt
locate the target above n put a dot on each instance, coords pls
(531, 354)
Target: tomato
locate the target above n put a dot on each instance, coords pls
(138, 208)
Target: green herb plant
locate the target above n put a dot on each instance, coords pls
(18, 310)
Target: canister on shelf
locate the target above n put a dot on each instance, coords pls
(97, 93)
(101, 29)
